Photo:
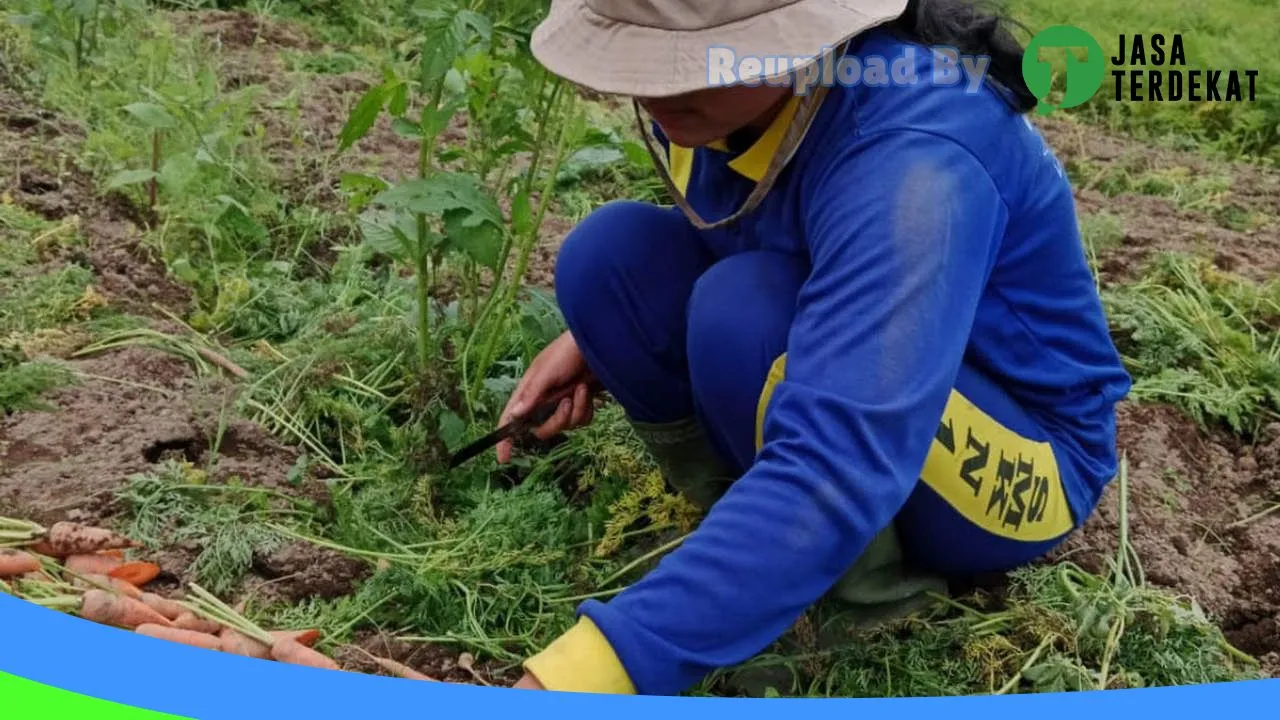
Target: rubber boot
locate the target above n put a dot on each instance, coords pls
(686, 459)
(878, 588)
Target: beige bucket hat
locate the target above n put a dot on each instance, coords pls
(661, 48)
(657, 48)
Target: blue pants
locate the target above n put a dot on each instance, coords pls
(674, 330)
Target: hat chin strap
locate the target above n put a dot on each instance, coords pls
(806, 113)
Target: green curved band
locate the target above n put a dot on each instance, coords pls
(25, 699)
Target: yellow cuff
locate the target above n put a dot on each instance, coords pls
(581, 660)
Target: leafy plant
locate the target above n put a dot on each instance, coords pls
(73, 29)
(455, 214)
(1202, 340)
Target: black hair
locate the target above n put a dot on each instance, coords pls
(973, 27)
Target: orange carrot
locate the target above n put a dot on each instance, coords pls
(117, 554)
(304, 637)
(42, 547)
(68, 538)
(288, 650)
(238, 644)
(92, 564)
(190, 621)
(120, 586)
(166, 607)
(106, 608)
(400, 670)
(136, 573)
(16, 562)
(185, 637)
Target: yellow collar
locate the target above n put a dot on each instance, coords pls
(754, 162)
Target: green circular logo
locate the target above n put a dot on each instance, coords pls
(1083, 77)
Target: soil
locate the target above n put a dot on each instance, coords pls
(231, 30)
(299, 570)
(1193, 501)
(134, 407)
(1153, 224)
(434, 661)
(40, 176)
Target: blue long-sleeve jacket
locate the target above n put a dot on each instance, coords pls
(940, 229)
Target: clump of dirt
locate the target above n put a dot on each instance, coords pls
(1195, 499)
(1153, 224)
(238, 29)
(298, 570)
(134, 408)
(434, 661)
(39, 178)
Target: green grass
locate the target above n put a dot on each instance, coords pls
(1202, 340)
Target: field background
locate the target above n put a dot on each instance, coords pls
(264, 264)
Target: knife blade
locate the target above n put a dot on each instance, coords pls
(518, 426)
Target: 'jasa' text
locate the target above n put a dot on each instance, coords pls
(1140, 83)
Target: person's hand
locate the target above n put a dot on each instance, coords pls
(528, 682)
(558, 367)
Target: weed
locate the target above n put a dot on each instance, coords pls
(176, 507)
(1202, 340)
(22, 383)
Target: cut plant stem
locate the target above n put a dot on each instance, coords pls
(211, 608)
(64, 603)
(645, 558)
(1035, 655)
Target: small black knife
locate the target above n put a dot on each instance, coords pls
(519, 426)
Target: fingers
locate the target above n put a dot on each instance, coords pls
(558, 422)
(581, 414)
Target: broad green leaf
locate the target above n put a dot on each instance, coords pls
(151, 115)
(360, 182)
(240, 223)
(360, 189)
(440, 193)
(362, 117)
(129, 177)
(636, 154)
(452, 430)
(475, 22)
(406, 129)
(521, 214)
(435, 120)
(455, 83)
(481, 242)
(440, 49)
(593, 158)
(185, 272)
(378, 228)
(399, 100)
(408, 246)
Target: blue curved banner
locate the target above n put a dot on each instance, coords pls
(65, 652)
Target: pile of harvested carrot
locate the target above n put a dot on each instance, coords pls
(83, 570)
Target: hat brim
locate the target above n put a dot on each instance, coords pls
(616, 58)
